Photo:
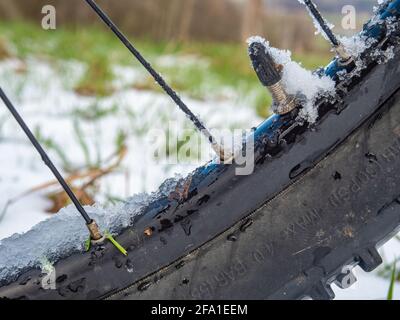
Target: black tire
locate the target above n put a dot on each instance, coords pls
(284, 232)
(298, 243)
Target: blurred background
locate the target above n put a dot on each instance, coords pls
(93, 107)
(195, 20)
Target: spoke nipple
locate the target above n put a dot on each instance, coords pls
(225, 156)
(344, 56)
(95, 234)
(270, 74)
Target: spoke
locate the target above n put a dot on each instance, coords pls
(323, 24)
(89, 222)
(157, 77)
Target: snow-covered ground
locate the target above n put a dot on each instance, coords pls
(43, 92)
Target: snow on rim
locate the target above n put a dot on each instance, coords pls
(61, 234)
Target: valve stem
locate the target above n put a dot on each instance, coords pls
(270, 76)
(338, 47)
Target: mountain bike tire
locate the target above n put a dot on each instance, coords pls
(325, 201)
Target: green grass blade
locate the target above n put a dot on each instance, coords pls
(392, 282)
(116, 244)
(88, 244)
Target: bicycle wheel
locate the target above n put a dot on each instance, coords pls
(322, 200)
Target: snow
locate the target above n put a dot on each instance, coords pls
(298, 80)
(61, 234)
(357, 44)
(380, 2)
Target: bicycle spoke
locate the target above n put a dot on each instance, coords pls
(322, 23)
(95, 234)
(218, 149)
